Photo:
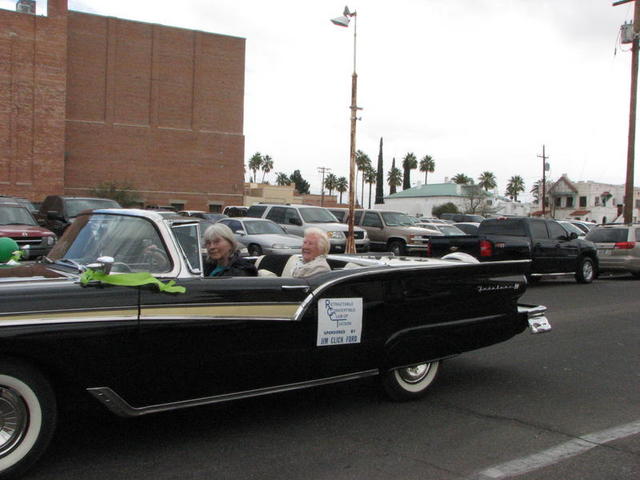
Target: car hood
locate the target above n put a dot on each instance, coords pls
(24, 231)
(272, 238)
(36, 270)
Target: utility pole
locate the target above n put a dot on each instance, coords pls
(544, 179)
(323, 170)
(628, 189)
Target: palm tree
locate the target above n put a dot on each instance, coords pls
(282, 179)
(370, 176)
(394, 178)
(409, 162)
(342, 185)
(514, 187)
(255, 162)
(487, 180)
(427, 165)
(362, 162)
(462, 179)
(267, 165)
(330, 182)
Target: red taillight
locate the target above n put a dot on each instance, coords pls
(486, 248)
(625, 245)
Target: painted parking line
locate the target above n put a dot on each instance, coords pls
(558, 453)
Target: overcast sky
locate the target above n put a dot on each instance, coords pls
(477, 84)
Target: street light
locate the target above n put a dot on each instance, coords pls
(343, 21)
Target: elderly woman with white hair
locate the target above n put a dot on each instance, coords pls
(223, 254)
(315, 248)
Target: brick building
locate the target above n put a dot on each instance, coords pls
(87, 99)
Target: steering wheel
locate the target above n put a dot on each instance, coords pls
(155, 259)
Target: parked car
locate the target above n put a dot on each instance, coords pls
(462, 217)
(552, 250)
(586, 227)
(618, 248)
(470, 228)
(20, 201)
(443, 228)
(57, 212)
(295, 219)
(262, 236)
(235, 211)
(393, 232)
(212, 217)
(16, 222)
(570, 227)
(139, 348)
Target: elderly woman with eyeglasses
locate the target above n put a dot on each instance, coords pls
(223, 254)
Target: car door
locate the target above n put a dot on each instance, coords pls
(372, 223)
(224, 335)
(542, 248)
(565, 252)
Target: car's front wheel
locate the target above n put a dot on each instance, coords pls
(27, 417)
(397, 248)
(410, 383)
(586, 270)
(255, 250)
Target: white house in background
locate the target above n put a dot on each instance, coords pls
(589, 201)
(419, 201)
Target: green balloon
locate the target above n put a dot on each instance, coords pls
(7, 247)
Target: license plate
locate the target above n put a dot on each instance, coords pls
(539, 324)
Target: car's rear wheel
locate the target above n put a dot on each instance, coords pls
(635, 274)
(397, 248)
(27, 417)
(255, 250)
(410, 383)
(586, 270)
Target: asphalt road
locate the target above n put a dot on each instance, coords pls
(563, 405)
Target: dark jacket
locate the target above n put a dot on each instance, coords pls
(238, 267)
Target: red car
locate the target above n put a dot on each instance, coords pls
(16, 222)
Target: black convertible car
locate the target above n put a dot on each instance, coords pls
(95, 320)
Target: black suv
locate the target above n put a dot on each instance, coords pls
(58, 211)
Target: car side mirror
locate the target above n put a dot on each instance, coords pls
(573, 236)
(102, 264)
(240, 232)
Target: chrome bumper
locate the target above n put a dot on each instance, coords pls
(536, 316)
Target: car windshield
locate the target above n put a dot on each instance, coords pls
(262, 228)
(570, 227)
(317, 215)
(393, 219)
(77, 205)
(16, 216)
(133, 242)
(607, 235)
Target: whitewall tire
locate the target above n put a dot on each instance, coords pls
(410, 383)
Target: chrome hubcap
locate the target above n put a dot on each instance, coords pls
(587, 270)
(14, 419)
(414, 374)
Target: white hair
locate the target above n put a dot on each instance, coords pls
(220, 230)
(321, 235)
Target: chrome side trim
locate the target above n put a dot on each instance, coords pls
(119, 406)
(66, 321)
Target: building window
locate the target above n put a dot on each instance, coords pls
(569, 202)
(215, 208)
(583, 201)
(597, 201)
(638, 206)
(177, 205)
(558, 201)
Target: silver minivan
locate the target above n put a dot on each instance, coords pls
(297, 218)
(618, 248)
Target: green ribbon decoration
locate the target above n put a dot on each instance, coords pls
(14, 260)
(130, 280)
